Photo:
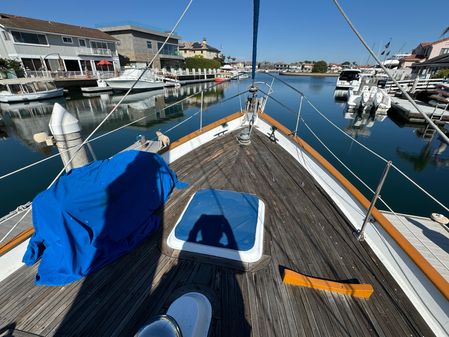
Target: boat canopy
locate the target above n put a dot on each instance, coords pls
(227, 67)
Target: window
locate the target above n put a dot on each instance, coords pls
(30, 38)
(67, 40)
(169, 49)
(15, 88)
(5, 36)
(444, 51)
(99, 45)
(149, 45)
(32, 64)
(82, 42)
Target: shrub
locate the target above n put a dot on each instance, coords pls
(319, 67)
(198, 62)
(443, 73)
(8, 64)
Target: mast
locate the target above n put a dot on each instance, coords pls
(252, 106)
(255, 31)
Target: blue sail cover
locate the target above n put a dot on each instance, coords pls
(96, 213)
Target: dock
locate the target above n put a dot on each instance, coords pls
(408, 112)
(95, 89)
(429, 237)
(8, 222)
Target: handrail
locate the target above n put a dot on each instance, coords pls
(357, 177)
(357, 142)
(432, 274)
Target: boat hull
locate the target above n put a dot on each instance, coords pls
(11, 98)
(119, 84)
(220, 80)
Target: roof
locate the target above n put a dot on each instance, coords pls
(440, 40)
(21, 22)
(428, 43)
(409, 58)
(440, 60)
(197, 46)
(112, 29)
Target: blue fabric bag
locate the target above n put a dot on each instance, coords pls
(96, 213)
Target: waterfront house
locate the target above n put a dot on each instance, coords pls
(191, 49)
(307, 67)
(432, 66)
(281, 66)
(53, 47)
(334, 68)
(141, 44)
(408, 60)
(428, 50)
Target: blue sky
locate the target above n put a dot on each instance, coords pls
(290, 30)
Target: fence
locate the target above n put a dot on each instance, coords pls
(71, 74)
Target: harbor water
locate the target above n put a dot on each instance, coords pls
(425, 160)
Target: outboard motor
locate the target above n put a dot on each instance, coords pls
(188, 316)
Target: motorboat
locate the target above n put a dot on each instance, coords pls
(369, 96)
(28, 89)
(348, 79)
(148, 81)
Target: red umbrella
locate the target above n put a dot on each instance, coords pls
(103, 63)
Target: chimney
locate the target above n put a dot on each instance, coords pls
(204, 43)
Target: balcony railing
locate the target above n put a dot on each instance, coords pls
(95, 51)
(59, 75)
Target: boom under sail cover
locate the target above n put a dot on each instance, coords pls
(96, 213)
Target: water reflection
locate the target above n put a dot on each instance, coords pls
(23, 120)
(317, 84)
(361, 122)
(432, 153)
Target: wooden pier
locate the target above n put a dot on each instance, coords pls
(429, 237)
(408, 112)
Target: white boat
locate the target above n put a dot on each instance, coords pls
(242, 76)
(348, 79)
(368, 96)
(17, 90)
(149, 80)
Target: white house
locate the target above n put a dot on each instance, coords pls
(54, 46)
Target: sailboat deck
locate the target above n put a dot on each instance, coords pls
(304, 231)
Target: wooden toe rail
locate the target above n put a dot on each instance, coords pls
(297, 279)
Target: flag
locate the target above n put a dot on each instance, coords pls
(387, 45)
(383, 52)
(388, 53)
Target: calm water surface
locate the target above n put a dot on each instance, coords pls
(427, 162)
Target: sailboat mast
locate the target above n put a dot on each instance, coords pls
(255, 30)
